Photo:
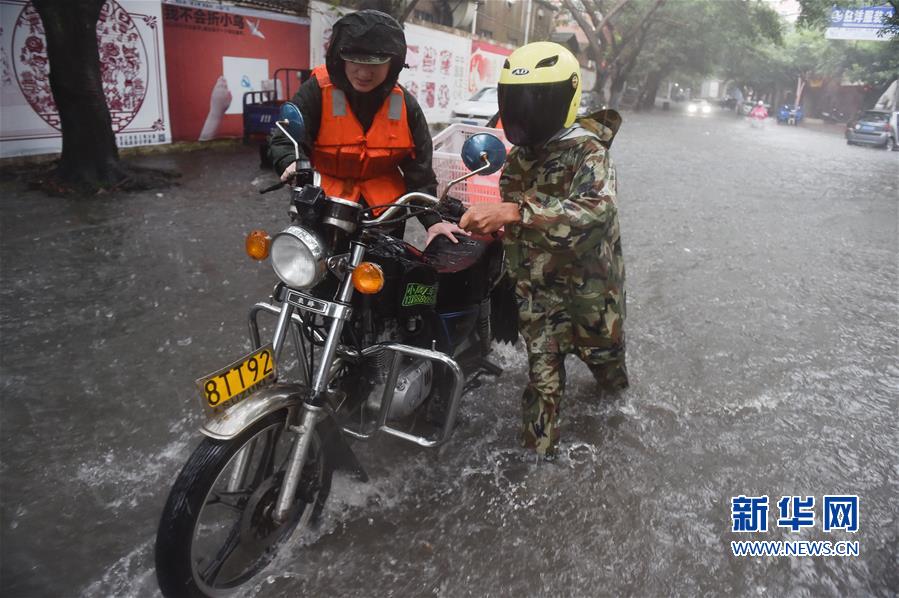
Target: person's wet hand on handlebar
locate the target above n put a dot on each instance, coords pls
(447, 229)
(289, 172)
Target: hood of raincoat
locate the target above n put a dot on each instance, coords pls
(604, 124)
(366, 32)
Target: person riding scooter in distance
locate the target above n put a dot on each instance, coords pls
(759, 112)
(368, 136)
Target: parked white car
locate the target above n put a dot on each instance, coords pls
(477, 109)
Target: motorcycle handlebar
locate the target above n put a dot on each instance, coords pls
(274, 187)
(395, 206)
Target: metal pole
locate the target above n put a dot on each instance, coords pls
(474, 19)
(527, 21)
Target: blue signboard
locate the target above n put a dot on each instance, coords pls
(860, 23)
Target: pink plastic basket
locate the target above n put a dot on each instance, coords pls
(448, 165)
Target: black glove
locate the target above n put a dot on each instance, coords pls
(451, 209)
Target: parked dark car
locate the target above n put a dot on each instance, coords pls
(728, 103)
(871, 127)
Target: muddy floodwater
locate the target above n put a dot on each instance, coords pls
(763, 318)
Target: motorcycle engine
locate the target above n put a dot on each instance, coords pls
(413, 385)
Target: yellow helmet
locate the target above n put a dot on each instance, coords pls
(539, 92)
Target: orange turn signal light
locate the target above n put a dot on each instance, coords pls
(258, 244)
(368, 278)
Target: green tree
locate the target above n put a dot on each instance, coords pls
(695, 38)
(874, 64)
(616, 34)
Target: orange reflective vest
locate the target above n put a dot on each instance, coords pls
(355, 163)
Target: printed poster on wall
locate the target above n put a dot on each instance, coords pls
(485, 65)
(132, 67)
(438, 70)
(217, 53)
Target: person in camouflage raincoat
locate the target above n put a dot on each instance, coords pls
(563, 250)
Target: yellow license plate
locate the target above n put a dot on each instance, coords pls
(230, 385)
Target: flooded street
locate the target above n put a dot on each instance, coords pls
(763, 322)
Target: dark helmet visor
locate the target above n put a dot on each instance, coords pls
(534, 112)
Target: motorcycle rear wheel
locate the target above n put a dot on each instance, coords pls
(199, 555)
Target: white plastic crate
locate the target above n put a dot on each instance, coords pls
(448, 165)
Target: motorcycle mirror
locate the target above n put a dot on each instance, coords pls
(482, 150)
(292, 120)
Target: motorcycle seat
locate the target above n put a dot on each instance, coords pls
(447, 257)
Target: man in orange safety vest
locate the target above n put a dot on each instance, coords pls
(368, 136)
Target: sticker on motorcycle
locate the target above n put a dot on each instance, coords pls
(419, 294)
(232, 384)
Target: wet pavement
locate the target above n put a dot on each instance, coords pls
(763, 321)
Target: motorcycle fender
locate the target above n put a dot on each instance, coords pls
(230, 423)
(235, 420)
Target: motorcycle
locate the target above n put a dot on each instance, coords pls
(387, 338)
(789, 116)
(834, 115)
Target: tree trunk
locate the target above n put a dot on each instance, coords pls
(650, 90)
(800, 86)
(616, 90)
(405, 12)
(599, 86)
(89, 152)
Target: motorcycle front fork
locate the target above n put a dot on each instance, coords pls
(312, 411)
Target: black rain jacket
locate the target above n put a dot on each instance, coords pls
(366, 31)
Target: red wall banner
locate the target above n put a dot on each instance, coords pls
(215, 53)
(485, 64)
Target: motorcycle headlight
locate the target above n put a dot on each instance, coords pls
(298, 257)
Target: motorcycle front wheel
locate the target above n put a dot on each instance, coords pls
(216, 531)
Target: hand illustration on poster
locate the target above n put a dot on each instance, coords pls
(219, 101)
